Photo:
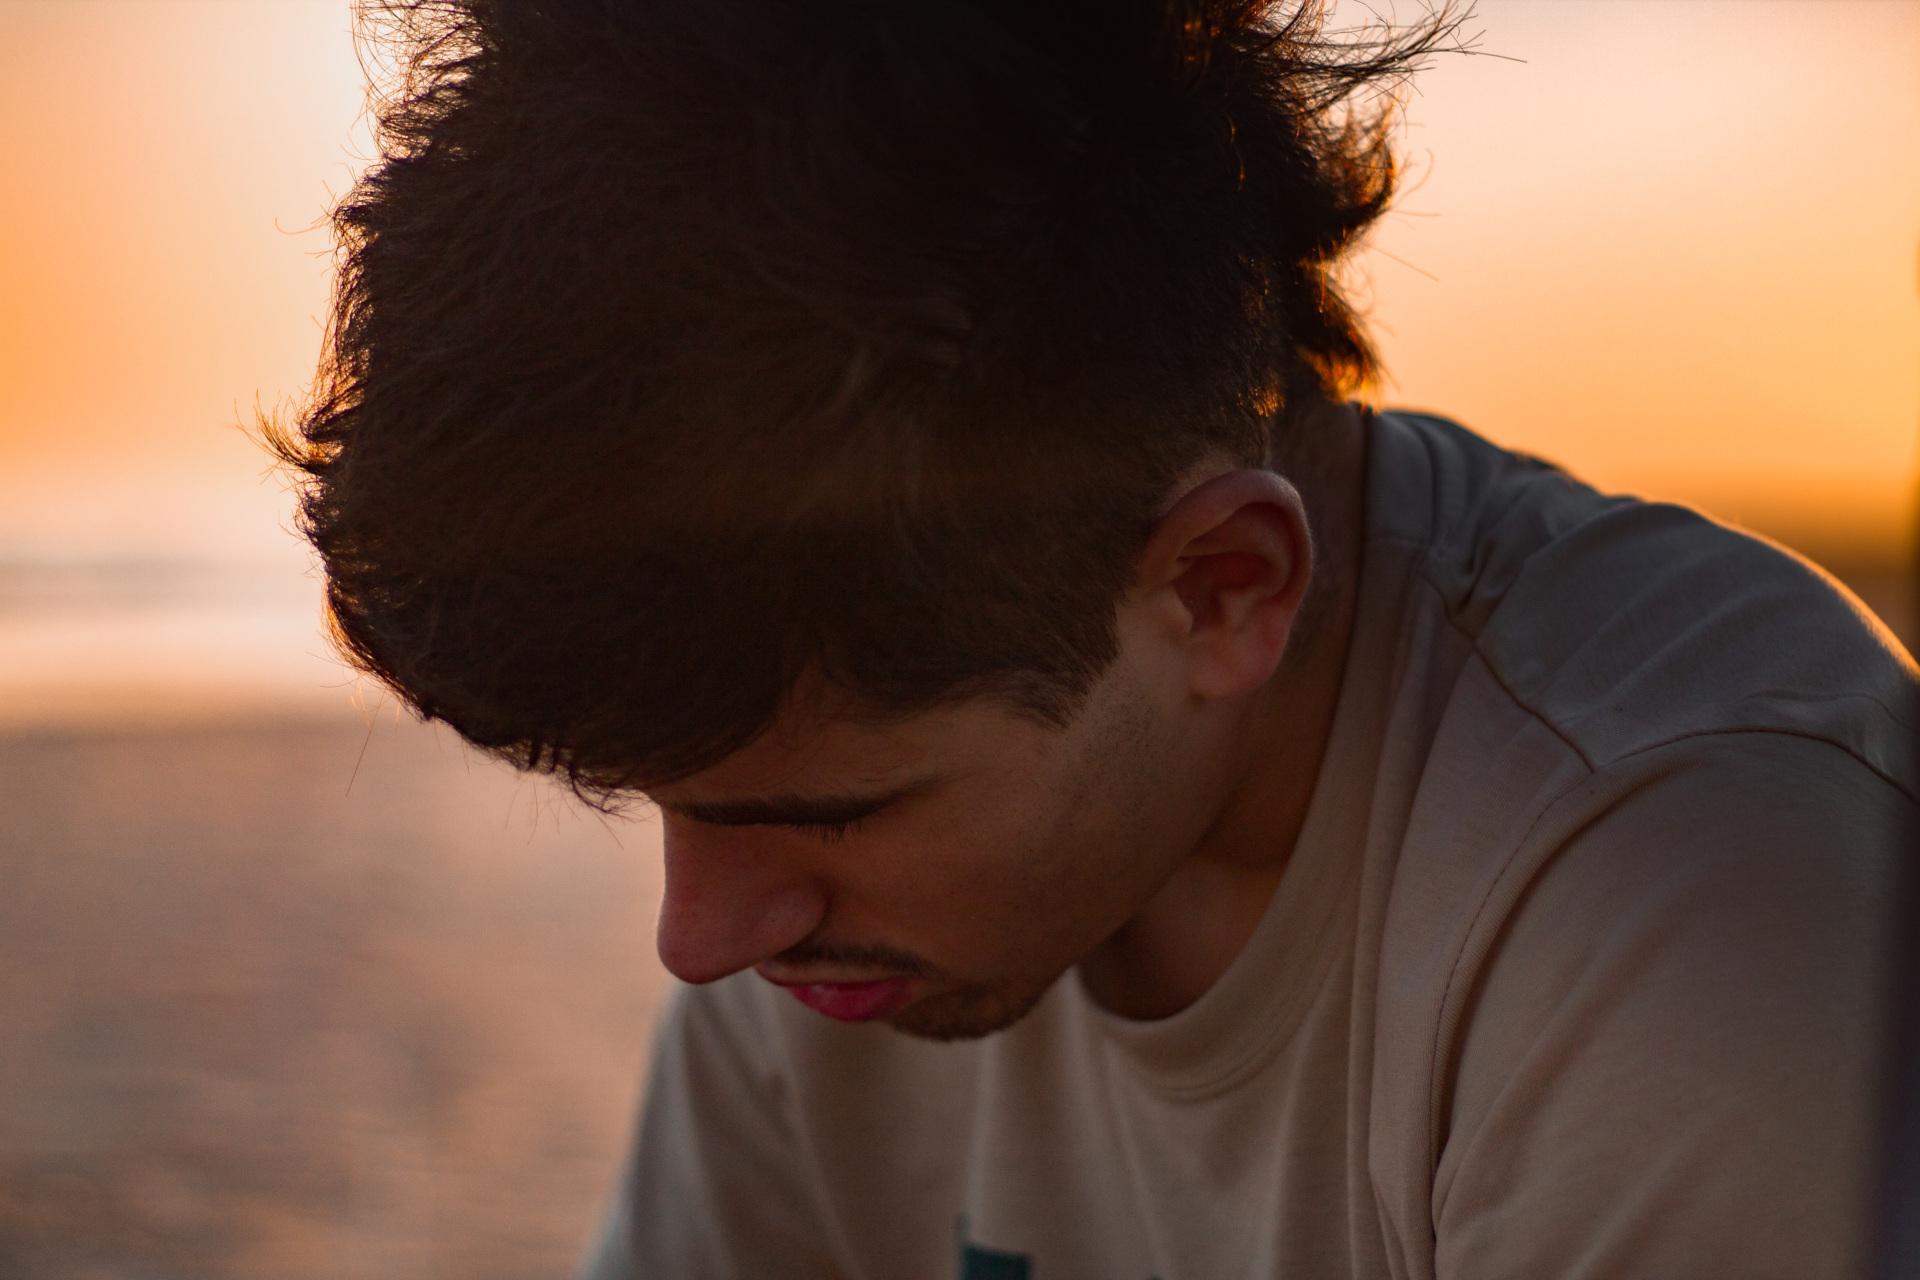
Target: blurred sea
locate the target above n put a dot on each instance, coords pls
(113, 640)
(295, 987)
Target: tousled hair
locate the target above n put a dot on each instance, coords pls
(684, 350)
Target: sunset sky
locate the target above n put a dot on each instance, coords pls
(1670, 245)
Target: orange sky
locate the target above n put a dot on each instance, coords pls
(1674, 248)
(161, 156)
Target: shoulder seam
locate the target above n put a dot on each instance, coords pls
(1773, 731)
(1459, 957)
(1905, 788)
(1473, 638)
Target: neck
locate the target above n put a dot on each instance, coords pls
(1178, 945)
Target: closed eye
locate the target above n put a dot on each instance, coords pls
(824, 817)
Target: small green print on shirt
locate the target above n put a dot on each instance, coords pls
(991, 1264)
(977, 1263)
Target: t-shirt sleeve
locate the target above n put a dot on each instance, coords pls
(717, 1186)
(1667, 1063)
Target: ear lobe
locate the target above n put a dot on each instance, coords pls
(1236, 554)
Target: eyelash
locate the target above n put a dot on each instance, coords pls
(828, 831)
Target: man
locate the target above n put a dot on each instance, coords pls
(906, 442)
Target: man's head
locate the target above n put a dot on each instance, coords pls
(941, 870)
(699, 362)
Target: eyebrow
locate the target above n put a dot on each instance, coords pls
(790, 810)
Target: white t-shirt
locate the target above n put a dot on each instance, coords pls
(1575, 971)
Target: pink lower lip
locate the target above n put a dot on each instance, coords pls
(854, 1001)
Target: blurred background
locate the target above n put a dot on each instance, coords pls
(292, 986)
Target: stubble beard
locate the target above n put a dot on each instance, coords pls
(968, 1013)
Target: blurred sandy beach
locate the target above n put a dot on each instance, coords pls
(288, 995)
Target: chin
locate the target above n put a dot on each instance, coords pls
(967, 1013)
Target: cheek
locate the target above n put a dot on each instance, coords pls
(1114, 829)
(1026, 890)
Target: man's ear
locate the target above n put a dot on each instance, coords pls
(1224, 575)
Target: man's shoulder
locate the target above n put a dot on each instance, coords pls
(1649, 827)
(1598, 669)
(1623, 625)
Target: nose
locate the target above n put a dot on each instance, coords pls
(731, 900)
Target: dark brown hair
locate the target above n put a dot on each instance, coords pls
(684, 348)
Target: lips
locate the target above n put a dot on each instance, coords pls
(854, 1001)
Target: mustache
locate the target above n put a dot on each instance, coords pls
(859, 955)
